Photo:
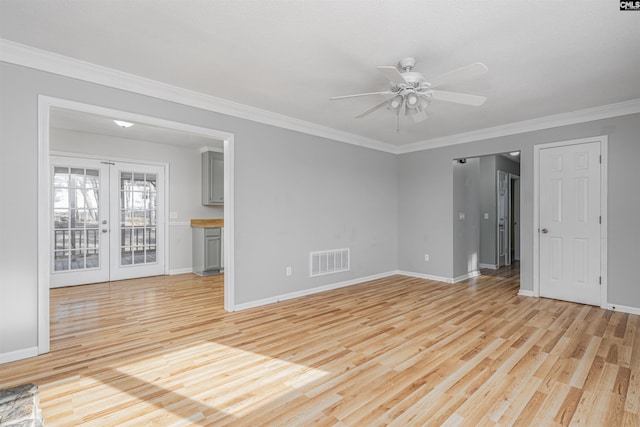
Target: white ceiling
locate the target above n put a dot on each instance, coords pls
(77, 121)
(544, 57)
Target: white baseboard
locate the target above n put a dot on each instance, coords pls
(18, 355)
(425, 276)
(180, 271)
(526, 293)
(305, 292)
(623, 308)
(489, 266)
(469, 275)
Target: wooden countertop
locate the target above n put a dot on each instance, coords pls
(207, 223)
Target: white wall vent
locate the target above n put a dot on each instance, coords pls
(328, 262)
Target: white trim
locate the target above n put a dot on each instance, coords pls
(489, 266)
(623, 308)
(44, 237)
(19, 54)
(306, 292)
(604, 145)
(526, 293)
(581, 116)
(100, 157)
(38, 59)
(469, 275)
(175, 271)
(18, 354)
(425, 276)
(604, 213)
(228, 236)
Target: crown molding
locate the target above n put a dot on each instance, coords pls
(27, 56)
(547, 122)
(31, 57)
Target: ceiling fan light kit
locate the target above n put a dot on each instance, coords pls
(411, 95)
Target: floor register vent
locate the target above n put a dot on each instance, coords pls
(328, 262)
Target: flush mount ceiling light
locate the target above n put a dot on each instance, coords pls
(514, 153)
(123, 124)
(411, 94)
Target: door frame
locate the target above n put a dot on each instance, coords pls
(514, 206)
(45, 103)
(603, 140)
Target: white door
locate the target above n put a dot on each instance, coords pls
(569, 213)
(504, 257)
(107, 221)
(80, 248)
(515, 187)
(136, 227)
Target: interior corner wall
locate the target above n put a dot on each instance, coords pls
(426, 205)
(488, 206)
(294, 193)
(466, 218)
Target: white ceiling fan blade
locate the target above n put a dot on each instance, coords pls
(386, 92)
(462, 73)
(392, 74)
(419, 116)
(459, 98)
(372, 109)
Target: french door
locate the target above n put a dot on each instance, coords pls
(107, 221)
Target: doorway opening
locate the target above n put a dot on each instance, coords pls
(486, 223)
(138, 238)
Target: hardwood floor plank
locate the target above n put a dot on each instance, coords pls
(395, 351)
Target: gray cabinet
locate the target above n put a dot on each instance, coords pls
(207, 251)
(212, 178)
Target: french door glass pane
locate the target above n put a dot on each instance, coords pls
(138, 212)
(75, 218)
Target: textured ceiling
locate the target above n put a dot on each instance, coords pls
(289, 57)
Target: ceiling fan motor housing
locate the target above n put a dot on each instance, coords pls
(413, 78)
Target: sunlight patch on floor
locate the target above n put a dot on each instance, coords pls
(220, 381)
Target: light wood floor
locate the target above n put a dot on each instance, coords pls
(398, 351)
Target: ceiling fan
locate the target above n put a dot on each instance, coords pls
(410, 95)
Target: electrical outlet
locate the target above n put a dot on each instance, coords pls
(486, 215)
(288, 271)
(426, 257)
(461, 215)
(173, 215)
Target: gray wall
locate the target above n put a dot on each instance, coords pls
(425, 201)
(185, 196)
(294, 193)
(425, 216)
(488, 205)
(466, 231)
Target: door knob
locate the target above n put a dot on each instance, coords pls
(544, 231)
(104, 230)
